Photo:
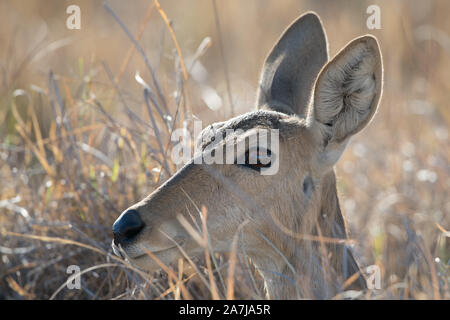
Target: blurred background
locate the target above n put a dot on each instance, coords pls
(78, 143)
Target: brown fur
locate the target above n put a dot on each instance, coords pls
(280, 217)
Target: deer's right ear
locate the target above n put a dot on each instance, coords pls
(346, 95)
(289, 72)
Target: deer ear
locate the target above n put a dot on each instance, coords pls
(347, 91)
(288, 74)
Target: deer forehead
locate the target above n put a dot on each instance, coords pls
(246, 124)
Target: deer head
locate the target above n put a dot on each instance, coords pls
(315, 106)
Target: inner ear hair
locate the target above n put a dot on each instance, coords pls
(348, 89)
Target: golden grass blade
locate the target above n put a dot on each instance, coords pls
(310, 237)
(39, 152)
(174, 38)
(53, 239)
(185, 255)
(165, 293)
(180, 278)
(232, 266)
(37, 129)
(36, 152)
(132, 48)
(212, 282)
(350, 280)
(171, 275)
(90, 127)
(232, 269)
(19, 290)
(192, 232)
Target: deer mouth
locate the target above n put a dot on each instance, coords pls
(151, 260)
(134, 252)
(148, 259)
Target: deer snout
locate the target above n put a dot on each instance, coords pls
(127, 227)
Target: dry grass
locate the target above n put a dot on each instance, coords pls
(81, 140)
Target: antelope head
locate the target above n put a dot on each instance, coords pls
(314, 105)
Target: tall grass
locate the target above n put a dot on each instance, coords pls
(85, 132)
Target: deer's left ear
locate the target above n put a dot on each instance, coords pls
(347, 92)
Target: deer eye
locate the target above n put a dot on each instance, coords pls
(257, 158)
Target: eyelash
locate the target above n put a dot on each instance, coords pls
(255, 166)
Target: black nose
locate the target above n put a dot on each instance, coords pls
(127, 226)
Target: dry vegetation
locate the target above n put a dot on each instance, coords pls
(78, 143)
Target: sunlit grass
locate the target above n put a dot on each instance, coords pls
(82, 142)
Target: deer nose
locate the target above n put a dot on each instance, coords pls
(127, 226)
